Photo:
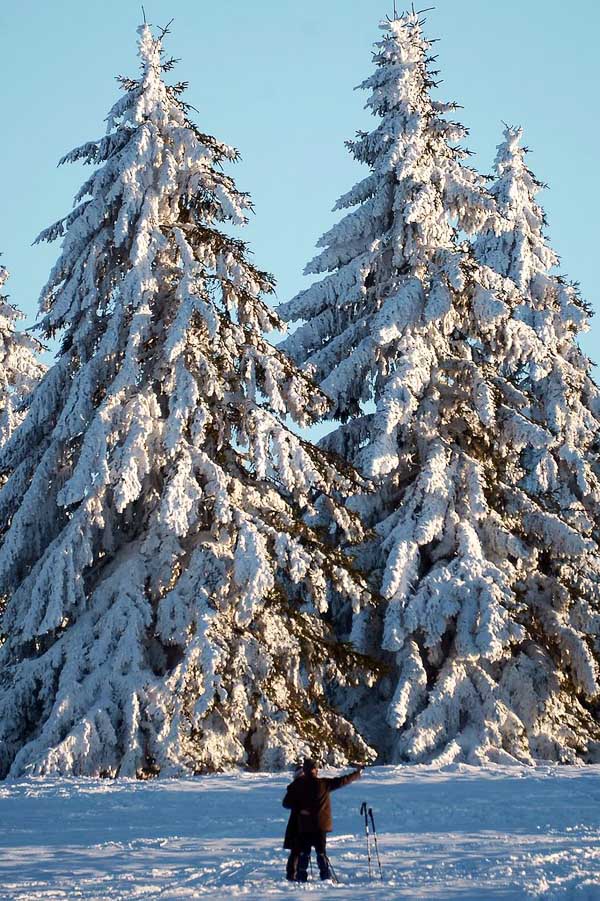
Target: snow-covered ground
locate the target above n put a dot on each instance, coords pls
(501, 833)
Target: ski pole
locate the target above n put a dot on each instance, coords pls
(331, 870)
(375, 839)
(364, 810)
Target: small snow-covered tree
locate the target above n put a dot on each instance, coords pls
(421, 349)
(20, 366)
(169, 580)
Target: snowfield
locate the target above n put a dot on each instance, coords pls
(459, 832)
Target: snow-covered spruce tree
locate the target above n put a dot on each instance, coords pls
(562, 468)
(20, 366)
(168, 580)
(489, 591)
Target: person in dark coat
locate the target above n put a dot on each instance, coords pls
(310, 797)
(291, 841)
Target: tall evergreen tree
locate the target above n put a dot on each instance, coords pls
(20, 366)
(420, 348)
(168, 579)
(561, 470)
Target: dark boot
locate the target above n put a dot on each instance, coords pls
(303, 862)
(324, 868)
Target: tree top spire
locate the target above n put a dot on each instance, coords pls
(149, 49)
(511, 147)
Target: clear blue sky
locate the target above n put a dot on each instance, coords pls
(275, 78)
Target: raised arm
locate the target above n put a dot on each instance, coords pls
(340, 781)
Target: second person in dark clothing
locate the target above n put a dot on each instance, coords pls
(291, 841)
(309, 798)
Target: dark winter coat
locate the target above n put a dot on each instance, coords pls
(309, 796)
(292, 833)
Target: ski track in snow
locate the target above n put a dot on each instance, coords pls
(452, 833)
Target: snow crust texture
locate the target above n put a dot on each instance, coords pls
(462, 833)
(449, 352)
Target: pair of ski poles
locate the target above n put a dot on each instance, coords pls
(367, 812)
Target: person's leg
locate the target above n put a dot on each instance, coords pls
(291, 869)
(322, 860)
(305, 845)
